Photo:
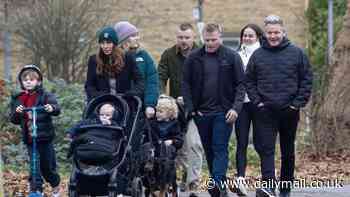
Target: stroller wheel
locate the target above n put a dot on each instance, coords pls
(137, 187)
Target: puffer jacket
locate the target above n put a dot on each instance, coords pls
(279, 76)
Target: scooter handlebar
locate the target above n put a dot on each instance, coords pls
(38, 109)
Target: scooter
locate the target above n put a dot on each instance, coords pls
(34, 163)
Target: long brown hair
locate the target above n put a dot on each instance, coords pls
(110, 65)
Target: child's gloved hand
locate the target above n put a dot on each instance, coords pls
(168, 142)
(19, 109)
(68, 137)
(48, 108)
(106, 121)
(150, 112)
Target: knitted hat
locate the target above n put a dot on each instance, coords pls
(124, 30)
(107, 33)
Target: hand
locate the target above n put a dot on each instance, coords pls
(180, 100)
(168, 142)
(19, 109)
(68, 137)
(150, 112)
(48, 108)
(261, 104)
(231, 116)
(106, 121)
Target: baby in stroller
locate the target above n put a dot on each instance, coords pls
(168, 138)
(98, 148)
(92, 145)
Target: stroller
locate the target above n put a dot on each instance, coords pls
(108, 172)
(159, 173)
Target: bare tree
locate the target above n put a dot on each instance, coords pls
(59, 34)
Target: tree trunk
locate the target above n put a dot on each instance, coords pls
(334, 122)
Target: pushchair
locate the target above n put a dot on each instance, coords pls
(160, 171)
(111, 175)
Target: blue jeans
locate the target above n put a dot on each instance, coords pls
(215, 135)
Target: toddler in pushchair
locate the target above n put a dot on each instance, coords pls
(101, 148)
(167, 135)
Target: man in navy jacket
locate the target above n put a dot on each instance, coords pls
(213, 92)
(279, 83)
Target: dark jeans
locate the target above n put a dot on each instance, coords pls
(269, 122)
(215, 135)
(47, 164)
(242, 126)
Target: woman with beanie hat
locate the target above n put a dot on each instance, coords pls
(129, 37)
(110, 71)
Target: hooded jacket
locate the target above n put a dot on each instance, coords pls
(279, 76)
(45, 128)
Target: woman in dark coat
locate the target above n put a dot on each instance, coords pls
(111, 71)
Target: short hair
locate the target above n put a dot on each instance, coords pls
(31, 73)
(168, 104)
(273, 19)
(185, 26)
(213, 27)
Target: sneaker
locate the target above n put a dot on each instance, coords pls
(265, 192)
(56, 191)
(241, 187)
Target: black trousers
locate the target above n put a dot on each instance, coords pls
(269, 122)
(47, 166)
(242, 127)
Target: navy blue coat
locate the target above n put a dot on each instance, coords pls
(129, 80)
(45, 127)
(230, 89)
(279, 76)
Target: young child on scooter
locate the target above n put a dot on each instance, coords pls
(33, 94)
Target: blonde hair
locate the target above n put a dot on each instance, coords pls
(31, 74)
(107, 106)
(168, 104)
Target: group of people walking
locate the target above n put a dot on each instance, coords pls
(264, 83)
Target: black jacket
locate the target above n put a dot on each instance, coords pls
(279, 76)
(130, 79)
(45, 128)
(168, 130)
(231, 88)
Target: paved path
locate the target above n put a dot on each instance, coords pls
(305, 192)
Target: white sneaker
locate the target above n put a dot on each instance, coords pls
(241, 186)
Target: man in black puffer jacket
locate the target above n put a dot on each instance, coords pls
(279, 83)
